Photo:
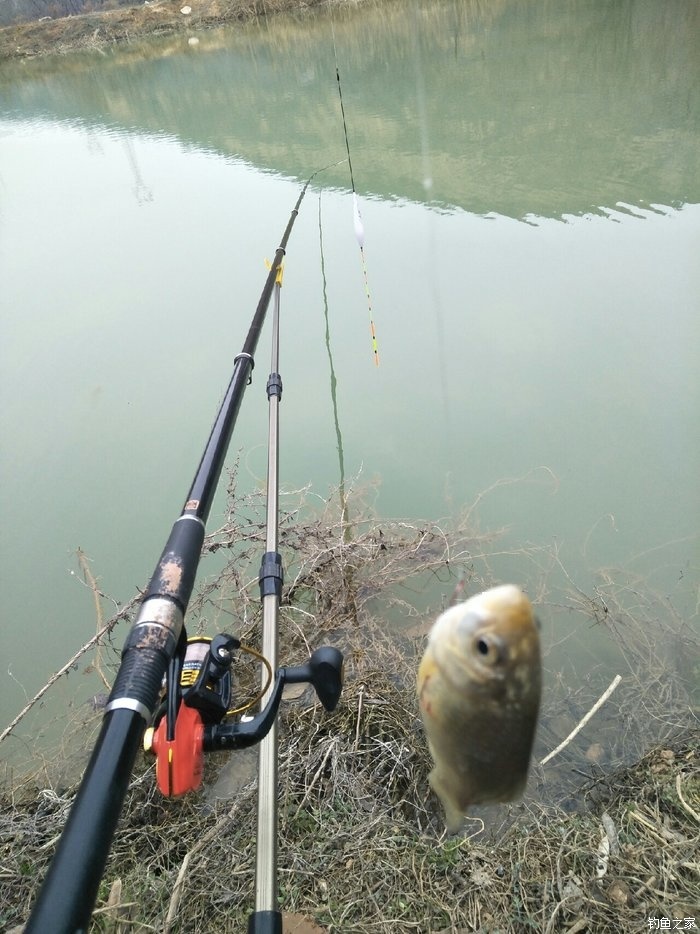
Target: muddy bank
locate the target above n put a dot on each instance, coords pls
(94, 31)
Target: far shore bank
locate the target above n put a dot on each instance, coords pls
(95, 31)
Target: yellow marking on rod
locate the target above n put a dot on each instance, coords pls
(171, 780)
(280, 271)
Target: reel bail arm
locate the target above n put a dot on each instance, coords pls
(180, 761)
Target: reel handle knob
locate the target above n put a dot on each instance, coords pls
(325, 670)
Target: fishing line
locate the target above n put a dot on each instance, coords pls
(334, 383)
(357, 217)
(269, 676)
(342, 109)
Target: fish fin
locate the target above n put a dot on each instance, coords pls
(454, 815)
(454, 818)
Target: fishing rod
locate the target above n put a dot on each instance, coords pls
(266, 918)
(190, 719)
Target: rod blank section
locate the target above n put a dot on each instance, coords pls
(69, 891)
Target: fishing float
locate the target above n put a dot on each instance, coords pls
(357, 217)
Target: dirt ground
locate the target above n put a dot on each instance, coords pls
(160, 17)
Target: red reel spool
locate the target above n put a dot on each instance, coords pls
(180, 762)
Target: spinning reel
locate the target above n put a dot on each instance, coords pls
(192, 719)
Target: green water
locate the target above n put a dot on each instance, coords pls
(529, 180)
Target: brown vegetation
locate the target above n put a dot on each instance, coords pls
(95, 30)
(596, 845)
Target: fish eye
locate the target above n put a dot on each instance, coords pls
(488, 648)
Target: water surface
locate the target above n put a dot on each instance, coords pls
(529, 180)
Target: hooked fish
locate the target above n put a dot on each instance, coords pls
(479, 685)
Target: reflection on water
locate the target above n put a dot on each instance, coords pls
(333, 383)
(141, 190)
(519, 108)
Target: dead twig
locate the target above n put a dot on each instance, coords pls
(577, 729)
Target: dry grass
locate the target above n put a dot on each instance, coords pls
(362, 845)
(95, 31)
